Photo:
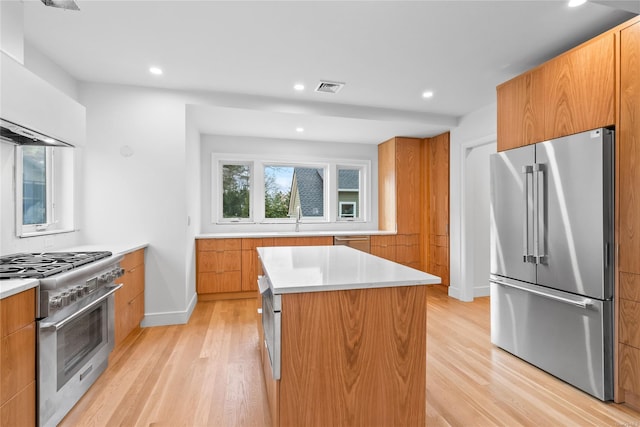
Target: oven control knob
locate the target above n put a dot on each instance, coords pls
(78, 291)
(103, 278)
(55, 302)
(65, 298)
(120, 272)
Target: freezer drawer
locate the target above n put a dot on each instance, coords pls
(566, 335)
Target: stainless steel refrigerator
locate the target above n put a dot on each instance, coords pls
(552, 249)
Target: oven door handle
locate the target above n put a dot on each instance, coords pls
(80, 312)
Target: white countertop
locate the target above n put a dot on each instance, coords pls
(262, 234)
(294, 269)
(9, 287)
(115, 248)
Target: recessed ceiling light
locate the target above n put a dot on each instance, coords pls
(427, 94)
(155, 70)
(299, 129)
(575, 3)
(298, 86)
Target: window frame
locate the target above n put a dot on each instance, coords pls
(218, 183)
(257, 188)
(59, 192)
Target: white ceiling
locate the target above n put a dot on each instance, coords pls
(250, 54)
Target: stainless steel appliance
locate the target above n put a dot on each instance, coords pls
(361, 243)
(271, 324)
(75, 325)
(552, 241)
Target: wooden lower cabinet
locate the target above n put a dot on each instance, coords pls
(354, 357)
(18, 359)
(229, 268)
(130, 298)
(384, 246)
(401, 248)
(629, 338)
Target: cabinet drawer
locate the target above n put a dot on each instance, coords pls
(20, 410)
(17, 311)
(132, 259)
(629, 373)
(218, 244)
(252, 244)
(408, 240)
(219, 261)
(630, 323)
(630, 286)
(383, 240)
(219, 282)
(18, 367)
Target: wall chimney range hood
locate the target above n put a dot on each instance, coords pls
(15, 134)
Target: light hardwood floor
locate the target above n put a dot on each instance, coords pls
(207, 373)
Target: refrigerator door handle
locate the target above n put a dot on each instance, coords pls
(526, 171)
(538, 208)
(578, 301)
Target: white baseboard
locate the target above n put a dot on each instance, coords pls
(481, 291)
(170, 318)
(478, 291)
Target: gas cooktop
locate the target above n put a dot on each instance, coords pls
(40, 265)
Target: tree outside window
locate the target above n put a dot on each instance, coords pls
(236, 191)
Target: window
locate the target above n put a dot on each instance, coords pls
(349, 192)
(236, 191)
(288, 187)
(44, 190)
(260, 192)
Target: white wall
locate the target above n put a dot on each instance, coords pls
(475, 130)
(12, 29)
(135, 169)
(48, 70)
(192, 192)
(281, 150)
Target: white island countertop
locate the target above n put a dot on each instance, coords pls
(295, 269)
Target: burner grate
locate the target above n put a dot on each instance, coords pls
(40, 265)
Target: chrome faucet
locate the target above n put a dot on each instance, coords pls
(298, 217)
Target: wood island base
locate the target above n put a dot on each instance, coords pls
(351, 358)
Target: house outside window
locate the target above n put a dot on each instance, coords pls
(349, 194)
(307, 191)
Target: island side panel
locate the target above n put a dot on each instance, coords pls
(354, 358)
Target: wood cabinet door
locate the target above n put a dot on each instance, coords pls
(579, 89)
(408, 203)
(387, 185)
(521, 110)
(629, 149)
(438, 260)
(439, 185)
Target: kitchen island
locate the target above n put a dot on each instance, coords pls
(344, 338)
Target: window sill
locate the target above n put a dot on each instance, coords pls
(45, 232)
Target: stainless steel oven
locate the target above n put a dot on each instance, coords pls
(75, 334)
(74, 349)
(271, 324)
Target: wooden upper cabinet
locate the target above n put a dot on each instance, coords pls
(408, 200)
(399, 183)
(520, 110)
(387, 185)
(579, 88)
(438, 171)
(629, 146)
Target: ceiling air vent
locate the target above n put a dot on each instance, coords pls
(329, 87)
